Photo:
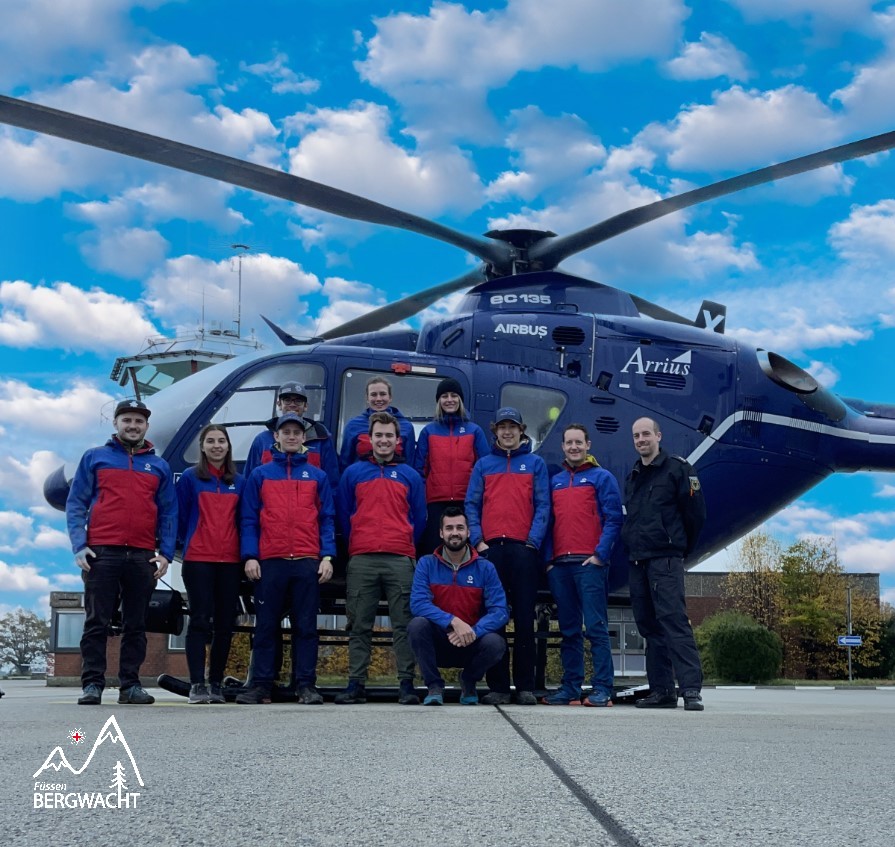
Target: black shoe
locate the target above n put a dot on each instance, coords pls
(497, 698)
(215, 694)
(355, 693)
(92, 695)
(308, 695)
(408, 695)
(254, 696)
(692, 700)
(526, 698)
(136, 695)
(198, 693)
(658, 700)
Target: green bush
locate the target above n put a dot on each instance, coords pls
(745, 651)
(708, 628)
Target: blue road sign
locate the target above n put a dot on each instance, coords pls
(849, 640)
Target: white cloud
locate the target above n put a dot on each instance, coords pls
(18, 532)
(446, 61)
(124, 251)
(351, 149)
(282, 79)
(21, 578)
(67, 317)
(346, 300)
(41, 412)
(273, 285)
(887, 490)
(850, 14)
(876, 555)
(824, 373)
(867, 236)
(712, 56)
(22, 479)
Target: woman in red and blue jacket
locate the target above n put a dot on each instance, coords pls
(208, 528)
(446, 451)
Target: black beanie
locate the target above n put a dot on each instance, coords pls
(448, 385)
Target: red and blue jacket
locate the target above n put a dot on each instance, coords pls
(208, 516)
(356, 438)
(318, 443)
(587, 511)
(382, 507)
(287, 511)
(472, 593)
(445, 455)
(122, 498)
(509, 496)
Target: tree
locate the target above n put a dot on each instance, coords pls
(23, 637)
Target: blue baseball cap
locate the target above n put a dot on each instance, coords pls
(508, 413)
(291, 417)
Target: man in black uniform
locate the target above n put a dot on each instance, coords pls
(665, 511)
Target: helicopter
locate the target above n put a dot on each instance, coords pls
(759, 429)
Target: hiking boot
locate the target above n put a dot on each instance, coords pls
(692, 700)
(468, 695)
(199, 693)
(597, 698)
(136, 695)
(308, 695)
(254, 696)
(435, 697)
(658, 700)
(408, 695)
(92, 695)
(356, 692)
(526, 698)
(562, 697)
(497, 698)
(215, 694)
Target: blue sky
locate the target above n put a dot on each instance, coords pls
(480, 115)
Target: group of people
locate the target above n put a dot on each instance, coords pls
(453, 528)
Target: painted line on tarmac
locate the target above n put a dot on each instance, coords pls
(619, 834)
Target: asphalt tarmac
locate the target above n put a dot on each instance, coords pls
(757, 767)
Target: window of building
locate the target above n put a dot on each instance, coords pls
(540, 408)
(67, 630)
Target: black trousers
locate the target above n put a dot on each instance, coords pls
(213, 591)
(519, 569)
(116, 572)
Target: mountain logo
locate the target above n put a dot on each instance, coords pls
(54, 794)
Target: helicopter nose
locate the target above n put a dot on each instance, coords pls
(56, 488)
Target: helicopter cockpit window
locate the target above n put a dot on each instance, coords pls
(413, 394)
(540, 408)
(253, 403)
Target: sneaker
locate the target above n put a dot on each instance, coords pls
(356, 692)
(408, 695)
(658, 700)
(497, 698)
(254, 696)
(692, 700)
(468, 695)
(92, 695)
(136, 695)
(597, 698)
(562, 697)
(435, 697)
(199, 693)
(215, 694)
(526, 698)
(308, 695)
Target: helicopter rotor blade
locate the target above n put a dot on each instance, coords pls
(184, 157)
(405, 308)
(550, 252)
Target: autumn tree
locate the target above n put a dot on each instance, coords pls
(23, 637)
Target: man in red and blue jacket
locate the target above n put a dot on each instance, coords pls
(587, 520)
(508, 506)
(291, 397)
(460, 608)
(122, 521)
(382, 511)
(288, 541)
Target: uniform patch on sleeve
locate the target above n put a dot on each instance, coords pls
(694, 485)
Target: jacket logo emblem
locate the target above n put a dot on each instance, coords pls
(304, 475)
(394, 474)
(522, 467)
(470, 579)
(462, 429)
(147, 467)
